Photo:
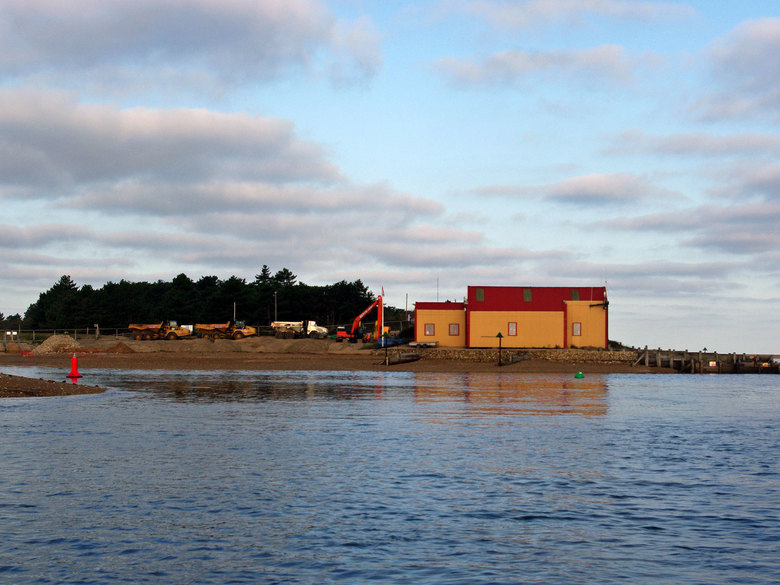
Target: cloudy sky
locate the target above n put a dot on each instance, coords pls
(418, 146)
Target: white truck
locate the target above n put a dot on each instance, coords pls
(295, 329)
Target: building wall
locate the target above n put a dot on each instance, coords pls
(525, 317)
(518, 328)
(440, 319)
(592, 326)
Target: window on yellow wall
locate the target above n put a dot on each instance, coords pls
(454, 329)
(430, 329)
(576, 329)
(511, 329)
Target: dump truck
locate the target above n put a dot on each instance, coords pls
(163, 330)
(229, 330)
(296, 329)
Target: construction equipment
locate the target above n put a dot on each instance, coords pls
(229, 330)
(356, 333)
(296, 329)
(163, 330)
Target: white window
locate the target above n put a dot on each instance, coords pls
(576, 329)
(512, 329)
(454, 329)
(430, 329)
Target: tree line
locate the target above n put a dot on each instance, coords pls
(208, 300)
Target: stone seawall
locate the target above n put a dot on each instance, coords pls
(552, 355)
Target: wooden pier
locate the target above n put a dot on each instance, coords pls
(707, 362)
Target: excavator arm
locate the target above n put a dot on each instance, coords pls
(366, 311)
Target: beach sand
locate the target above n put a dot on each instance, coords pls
(268, 353)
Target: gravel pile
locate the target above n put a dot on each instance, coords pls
(58, 344)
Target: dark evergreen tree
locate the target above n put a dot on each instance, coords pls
(209, 300)
(285, 277)
(180, 300)
(265, 275)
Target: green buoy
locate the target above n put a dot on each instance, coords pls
(579, 375)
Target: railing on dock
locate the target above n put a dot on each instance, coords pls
(703, 362)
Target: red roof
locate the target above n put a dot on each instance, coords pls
(530, 298)
(443, 306)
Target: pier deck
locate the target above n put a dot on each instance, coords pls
(708, 362)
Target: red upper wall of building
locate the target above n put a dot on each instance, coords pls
(530, 298)
(443, 306)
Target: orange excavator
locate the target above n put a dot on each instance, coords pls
(356, 333)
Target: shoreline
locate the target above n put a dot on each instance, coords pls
(258, 354)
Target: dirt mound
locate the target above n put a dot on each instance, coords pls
(58, 344)
(120, 348)
(305, 345)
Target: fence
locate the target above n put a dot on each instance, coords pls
(38, 336)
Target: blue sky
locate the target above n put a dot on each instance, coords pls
(421, 147)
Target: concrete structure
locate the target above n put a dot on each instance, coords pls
(524, 316)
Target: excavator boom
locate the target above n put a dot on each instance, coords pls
(366, 311)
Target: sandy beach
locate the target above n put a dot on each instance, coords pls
(268, 353)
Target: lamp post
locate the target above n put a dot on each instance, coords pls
(500, 337)
(275, 319)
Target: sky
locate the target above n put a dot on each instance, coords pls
(420, 147)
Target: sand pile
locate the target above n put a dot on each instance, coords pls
(120, 348)
(58, 344)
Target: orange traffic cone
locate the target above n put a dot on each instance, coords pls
(74, 368)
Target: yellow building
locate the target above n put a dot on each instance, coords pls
(442, 323)
(524, 316)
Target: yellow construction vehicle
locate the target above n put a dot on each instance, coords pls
(163, 330)
(229, 330)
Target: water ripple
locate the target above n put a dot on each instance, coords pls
(321, 477)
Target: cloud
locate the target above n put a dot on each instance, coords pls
(749, 181)
(221, 197)
(604, 189)
(16, 237)
(608, 62)
(744, 64)
(54, 146)
(533, 13)
(741, 228)
(405, 254)
(696, 144)
(597, 189)
(179, 41)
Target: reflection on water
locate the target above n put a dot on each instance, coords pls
(392, 477)
(485, 393)
(518, 394)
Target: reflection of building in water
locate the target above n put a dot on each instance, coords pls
(517, 394)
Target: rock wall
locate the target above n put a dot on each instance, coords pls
(553, 355)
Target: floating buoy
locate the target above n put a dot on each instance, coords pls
(74, 368)
(579, 375)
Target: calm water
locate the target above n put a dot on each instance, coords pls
(325, 477)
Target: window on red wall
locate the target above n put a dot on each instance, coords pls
(511, 329)
(576, 329)
(430, 329)
(454, 329)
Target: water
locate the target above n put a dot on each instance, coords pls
(333, 477)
